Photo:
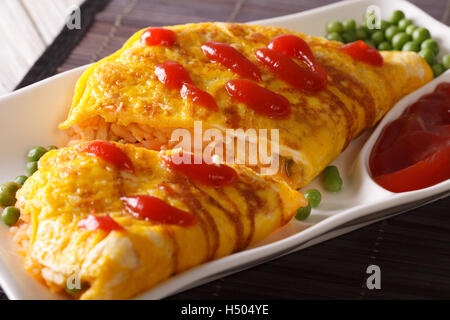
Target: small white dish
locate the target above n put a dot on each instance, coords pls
(30, 116)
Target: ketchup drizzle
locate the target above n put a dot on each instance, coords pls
(158, 37)
(198, 96)
(213, 175)
(361, 51)
(111, 153)
(231, 59)
(260, 99)
(105, 223)
(296, 47)
(146, 207)
(298, 77)
(174, 76)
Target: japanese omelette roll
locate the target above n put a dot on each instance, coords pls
(238, 76)
(123, 218)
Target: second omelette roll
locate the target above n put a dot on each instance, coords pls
(78, 216)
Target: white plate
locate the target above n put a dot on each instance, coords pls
(30, 116)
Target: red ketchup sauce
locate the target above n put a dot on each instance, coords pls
(105, 223)
(283, 66)
(174, 76)
(158, 37)
(109, 152)
(198, 96)
(213, 175)
(147, 207)
(260, 99)
(296, 47)
(231, 59)
(413, 151)
(361, 51)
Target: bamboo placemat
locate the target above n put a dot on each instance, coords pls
(412, 249)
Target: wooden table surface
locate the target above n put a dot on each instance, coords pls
(412, 250)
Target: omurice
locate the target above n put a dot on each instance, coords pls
(120, 219)
(316, 94)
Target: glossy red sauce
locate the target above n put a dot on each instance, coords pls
(105, 223)
(172, 74)
(158, 37)
(296, 47)
(361, 51)
(262, 100)
(231, 59)
(111, 153)
(175, 76)
(413, 151)
(282, 65)
(213, 175)
(198, 96)
(147, 207)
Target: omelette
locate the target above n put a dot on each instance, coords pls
(124, 98)
(123, 218)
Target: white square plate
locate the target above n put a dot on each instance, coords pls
(30, 116)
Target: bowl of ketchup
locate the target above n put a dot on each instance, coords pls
(412, 151)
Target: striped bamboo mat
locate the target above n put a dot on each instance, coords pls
(27, 27)
(412, 250)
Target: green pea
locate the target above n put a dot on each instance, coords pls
(363, 26)
(410, 29)
(431, 44)
(335, 26)
(36, 153)
(446, 61)
(396, 16)
(10, 216)
(399, 40)
(362, 34)
(384, 25)
(334, 36)
(303, 212)
(428, 55)
(391, 32)
(20, 180)
(313, 196)
(404, 23)
(331, 179)
(421, 34)
(8, 193)
(411, 46)
(370, 43)
(11, 187)
(377, 37)
(52, 147)
(438, 69)
(32, 167)
(384, 46)
(349, 36)
(349, 25)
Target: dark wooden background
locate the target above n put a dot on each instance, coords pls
(412, 250)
